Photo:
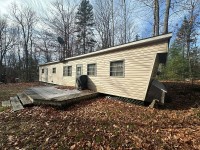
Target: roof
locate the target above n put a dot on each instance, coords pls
(119, 47)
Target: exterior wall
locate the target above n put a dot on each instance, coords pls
(139, 62)
(54, 78)
(155, 68)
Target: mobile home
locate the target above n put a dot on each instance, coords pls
(125, 70)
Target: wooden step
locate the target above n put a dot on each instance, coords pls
(24, 99)
(15, 103)
(6, 103)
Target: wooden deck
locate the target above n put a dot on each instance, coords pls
(44, 96)
(47, 96)
(16, 104)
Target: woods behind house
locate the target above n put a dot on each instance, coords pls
(29, 37)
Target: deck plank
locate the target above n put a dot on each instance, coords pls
(6, 103)
(24, 99)
(16, 104)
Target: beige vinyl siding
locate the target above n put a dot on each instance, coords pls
(155, 67)
(42, 75)
(138, 66)
(69, 80)
(53, 78)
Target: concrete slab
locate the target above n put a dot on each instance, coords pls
(6, 103)
(52, 92)
(16, 104)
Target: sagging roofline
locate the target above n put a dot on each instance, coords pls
(134, 43)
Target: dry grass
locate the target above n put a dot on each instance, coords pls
(10, 89)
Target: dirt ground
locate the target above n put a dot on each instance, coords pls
(104, 123)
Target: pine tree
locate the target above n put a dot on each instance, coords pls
(183, 59)
(176, 68)
(85, 23)
(186, 36)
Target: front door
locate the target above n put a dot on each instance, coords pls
(79, 70)
(46, 75)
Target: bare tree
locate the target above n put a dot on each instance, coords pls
(166, 20)
(7, 39)
(25, 17)
(156, 6)
(193, 7)
(156, 18)
(125, 20)
(113, 23)
(3, 51)
(60, 19)
(46, 44)
(125, 25)
(104, 18)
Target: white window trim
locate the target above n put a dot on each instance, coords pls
(123, 75)
(67, 75)
(95, 71)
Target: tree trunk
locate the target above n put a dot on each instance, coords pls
(26, 61)
(165, 30)
(189, 39)
(84, 41)
(19, 63)
(113, 24)
(156, 18)
(1, 67)
(124, 21)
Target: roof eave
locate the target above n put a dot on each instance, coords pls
(135, 43)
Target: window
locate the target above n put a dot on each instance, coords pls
(54, 70)
(91, 69)
(117, 68)
(67, 71)
(42, 70)
(79, 70)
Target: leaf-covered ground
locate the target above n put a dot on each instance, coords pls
(104, 123)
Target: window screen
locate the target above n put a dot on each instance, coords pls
(91, 69)
(54, 70)
(117, 68)
(67, 71)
